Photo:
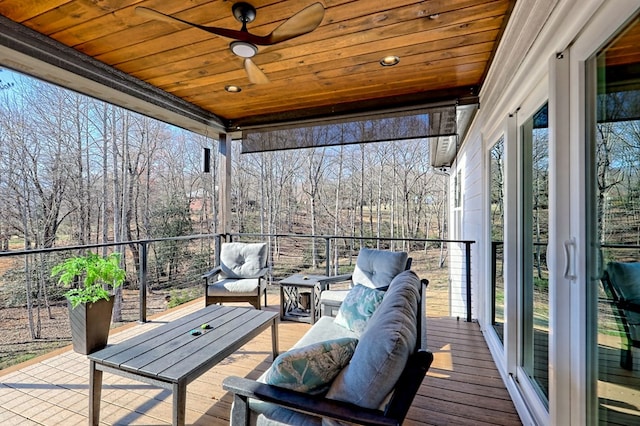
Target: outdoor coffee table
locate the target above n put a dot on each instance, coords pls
(170, 356)
(290, 290)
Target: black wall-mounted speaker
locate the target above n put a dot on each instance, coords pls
(206, 160)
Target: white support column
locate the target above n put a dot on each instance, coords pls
(224, 196)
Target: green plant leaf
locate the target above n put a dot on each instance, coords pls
(98, 272)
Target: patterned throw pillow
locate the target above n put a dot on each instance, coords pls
(358, 306)
(311, 368)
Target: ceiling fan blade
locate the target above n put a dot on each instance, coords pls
(255, 74)
(224, 32)
(301, 23)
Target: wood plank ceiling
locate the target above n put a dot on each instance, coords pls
(445, 48)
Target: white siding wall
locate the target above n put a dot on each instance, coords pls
(470, 162)
(516, 86)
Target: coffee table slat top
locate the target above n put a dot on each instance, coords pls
(193, 364)
(178, 340)
(171, 353)
(111, 351)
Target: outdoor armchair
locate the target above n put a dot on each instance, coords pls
(374, 268)
(621, 282)
(241, 275)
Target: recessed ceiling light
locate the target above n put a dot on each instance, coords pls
(232, 89)
(389, 61)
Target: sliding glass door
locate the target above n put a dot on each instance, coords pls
(496, 215)
(613, 206)
(534, 292)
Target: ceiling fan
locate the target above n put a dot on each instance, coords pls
(245, 43)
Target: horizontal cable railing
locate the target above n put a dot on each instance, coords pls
(167, 271)
(445, 263)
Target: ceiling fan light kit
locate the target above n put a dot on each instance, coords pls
(245, 43)
(243, 49)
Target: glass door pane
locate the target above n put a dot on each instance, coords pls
(535, 275)
(614, 234)
(496, 171)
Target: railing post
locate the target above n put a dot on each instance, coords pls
(467, 246)
(218, 245)
(327, 252)
(143, 281)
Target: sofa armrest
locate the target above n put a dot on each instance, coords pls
(396, 410)
(336, 279)
(629, 306)
(298, 401)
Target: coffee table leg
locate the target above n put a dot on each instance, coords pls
(274, 339)
(95, 393)
(281, 302)
(313, 304)
(179, 403)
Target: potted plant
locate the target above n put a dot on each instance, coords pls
(90, 301)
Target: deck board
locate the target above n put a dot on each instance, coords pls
(463, 387)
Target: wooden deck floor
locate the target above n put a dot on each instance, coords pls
(463, 386)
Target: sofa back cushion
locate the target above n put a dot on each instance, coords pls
(376, 268)
(242, 260)
(384, 347)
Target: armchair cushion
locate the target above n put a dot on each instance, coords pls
(384, 346)
(311, 368)
(358, 306)
(376, 268)
(242, 260)
(237, 287)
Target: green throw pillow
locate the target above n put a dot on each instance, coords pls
(312, 368)
(358, 306)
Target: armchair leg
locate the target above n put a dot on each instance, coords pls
(626, 359)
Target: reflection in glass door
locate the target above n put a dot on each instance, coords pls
(534, 347)
(614, 233)
(496, 172)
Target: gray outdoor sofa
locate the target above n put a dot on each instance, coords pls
(373, 383)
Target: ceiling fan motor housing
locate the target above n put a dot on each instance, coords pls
(244, 12)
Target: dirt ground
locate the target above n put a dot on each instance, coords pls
(17, 345)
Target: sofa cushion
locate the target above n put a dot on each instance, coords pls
(358, 306)
(264, 413)
(325, 328)
(273, 415)
(242, 260)
(384, 347)
(311, 368)
(376, 268)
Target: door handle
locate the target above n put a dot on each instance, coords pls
(569, 259)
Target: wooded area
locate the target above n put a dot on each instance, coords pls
(76, 171)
